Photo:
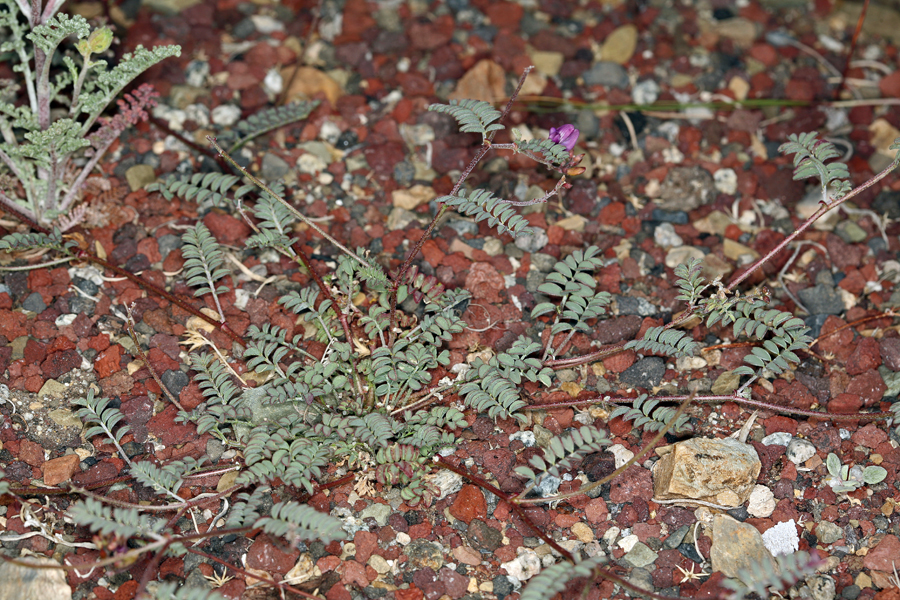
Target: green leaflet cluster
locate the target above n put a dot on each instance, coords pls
(561, 453)
(650, 415)
(473, 116)
(493, 386)
(782, 334)
(289, 519)
(482, 205)
(810, 155)
(554, 579)
(38, 146)
(308, 412)
(572, 281)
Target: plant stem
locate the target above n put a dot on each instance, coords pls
(286, 204)
(485, 146)
(823, 208)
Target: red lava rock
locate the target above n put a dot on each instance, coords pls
(455, 584)
(485, 282)
(428, 581)
(13, 324)
(838, 343)
(366, 543)
(227, 229)
(890, 353)
(845, 404)
(169, 432)
(31, 453)
(498, 461)
(101, 471)
(869, 436)
(869, 387)
(432, 253)
(620, 362)
(864, 357)
(60, 469)
(800, 89)
(60, 363)
(881, 556)
(634, 482)
(328, 563)
(765, 54)
(34, 352)
(137, 413)
(890, 85)
(596, 511)
(354, 574)
(266, 555)
(780, 423)
(338, 592)
(412, 593)
(107, 362)
(469, 504)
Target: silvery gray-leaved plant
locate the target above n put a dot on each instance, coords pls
(38, 140)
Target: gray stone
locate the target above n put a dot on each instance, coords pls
(24, 583)
(462, 227)
(822, 300)
(273, 167)
(664, 235)
(215, 449)
(533, 242)
(399, 218)
(226, 115)
(821, 587)
(828, 533)
(779, 438)
(140, 176)
(588, 125)
(542, 262)
(548, 486)
(607, 74)
(645, 373)
(850, 232)
(640, 555)
(175, 381)
(379, 512)
(686, 188)
(34, 303)
(641, 307)
(645, 92)
(799, 451)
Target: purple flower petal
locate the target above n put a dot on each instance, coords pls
(566, 135)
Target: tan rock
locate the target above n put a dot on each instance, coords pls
(413, 197)
(25, 583)
(713, 470)
(60, 469)
(737, 548)
(309, 82)
(734, 250)
(618, 47)
(573, 223)
(485, 81)
(546, 63)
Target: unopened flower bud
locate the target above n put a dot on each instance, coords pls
(100, 40)
(575, 171)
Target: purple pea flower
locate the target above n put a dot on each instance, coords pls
(566, 135)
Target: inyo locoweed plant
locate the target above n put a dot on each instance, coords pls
(362, 384)
(61, 120)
